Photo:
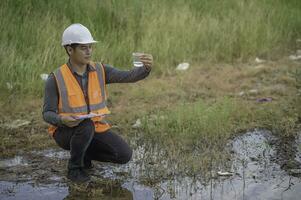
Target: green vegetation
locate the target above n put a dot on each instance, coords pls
(173, 31)
(214, 122)
(197, 133)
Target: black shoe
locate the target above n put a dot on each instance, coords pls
(88, 164)
(78, 175)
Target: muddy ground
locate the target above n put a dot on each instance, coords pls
(262, 166)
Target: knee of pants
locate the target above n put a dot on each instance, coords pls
(125, 156)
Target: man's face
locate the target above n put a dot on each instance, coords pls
(81, 53)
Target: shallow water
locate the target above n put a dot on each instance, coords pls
(53, 153)
(16, 161)
(29, 190)
(256, 175)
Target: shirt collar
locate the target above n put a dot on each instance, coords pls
(89, 67)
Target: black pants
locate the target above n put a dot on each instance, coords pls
(86, 145)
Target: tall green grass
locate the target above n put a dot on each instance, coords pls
(172, 30)
(216, 122)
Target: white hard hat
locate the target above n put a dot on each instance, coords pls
(77, 33)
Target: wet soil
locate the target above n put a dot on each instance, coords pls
(262, 167)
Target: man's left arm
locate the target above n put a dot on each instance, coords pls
(114, 75)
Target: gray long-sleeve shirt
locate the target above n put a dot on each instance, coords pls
(112, 75)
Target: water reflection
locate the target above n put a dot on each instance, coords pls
(33, 191)
(105, 189)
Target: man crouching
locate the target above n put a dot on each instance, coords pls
(78, 88)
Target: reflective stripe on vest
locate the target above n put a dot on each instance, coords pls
(63, 92)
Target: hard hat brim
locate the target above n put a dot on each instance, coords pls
(84, 42)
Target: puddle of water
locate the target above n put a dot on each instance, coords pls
(27, 190)
(16, 161)
(32, 191)
(252, 155)
(54, 153)
(256, 176)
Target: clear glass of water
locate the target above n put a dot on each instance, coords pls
(136, 59)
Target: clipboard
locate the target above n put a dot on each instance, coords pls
(90, 115)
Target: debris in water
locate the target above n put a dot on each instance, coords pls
(258, 60)
(182, 66)
(137, 124)
(220, 173)
(294, 57)
(266, 99)
(44, 77)
(16, 124)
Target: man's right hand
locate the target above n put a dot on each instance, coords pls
(70, 121)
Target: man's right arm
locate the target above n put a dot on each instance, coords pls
(50, 107)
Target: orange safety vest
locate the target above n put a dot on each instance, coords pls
(72, 100)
